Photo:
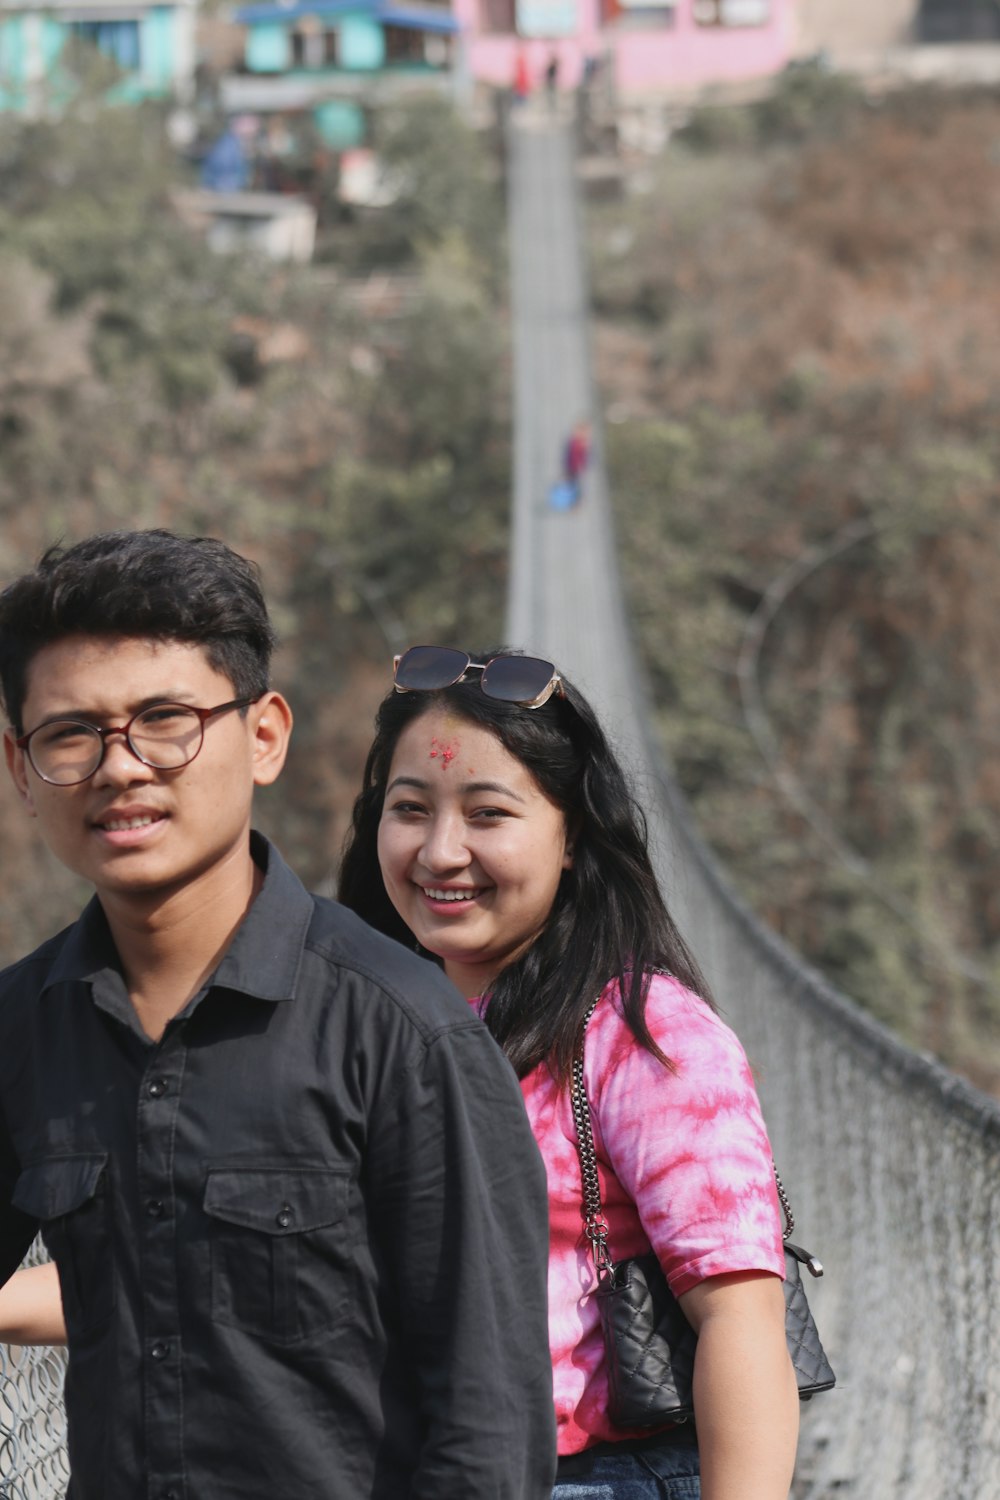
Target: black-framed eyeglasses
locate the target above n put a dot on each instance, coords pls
(526, 680)
(166, 736)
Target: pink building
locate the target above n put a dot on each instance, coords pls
(654, 46)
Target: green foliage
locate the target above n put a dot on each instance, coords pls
(363, 465)
(808, 100)
(446, 187)
(86, 199)
(436, 392)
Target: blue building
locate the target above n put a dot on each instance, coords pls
(153, 44)
(326, 57)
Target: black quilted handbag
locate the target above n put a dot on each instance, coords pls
(648, 1341)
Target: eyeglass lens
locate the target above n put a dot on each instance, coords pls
(514, 679)
(165, 737)
(517, 679)
(422, 669)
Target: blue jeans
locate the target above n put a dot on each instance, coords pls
(668, 1472)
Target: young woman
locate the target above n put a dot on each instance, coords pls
(496, 830)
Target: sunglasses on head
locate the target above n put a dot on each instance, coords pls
(525, 680)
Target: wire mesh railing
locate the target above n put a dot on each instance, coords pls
(33, 1463)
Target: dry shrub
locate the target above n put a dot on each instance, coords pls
(828, 353)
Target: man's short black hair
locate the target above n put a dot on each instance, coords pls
(152, 584)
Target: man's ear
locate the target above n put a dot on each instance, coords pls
(271, 721)
(18, 770)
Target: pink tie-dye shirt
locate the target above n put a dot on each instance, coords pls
(685, 1168)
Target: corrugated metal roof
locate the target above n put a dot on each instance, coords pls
(414, 17)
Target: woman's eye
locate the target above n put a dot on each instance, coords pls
(490, 814)
(406, 808)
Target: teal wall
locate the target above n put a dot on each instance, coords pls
(14, 44)
(362, 44)
(156, 46)
(340, 123)
(53, 37)
(11, 61)
(11, 49)
(268, 48)
(23, 41)
(157, 38)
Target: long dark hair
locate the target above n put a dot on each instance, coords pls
(608, 920)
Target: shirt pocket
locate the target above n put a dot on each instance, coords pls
(281, 1257)
(70, 1196)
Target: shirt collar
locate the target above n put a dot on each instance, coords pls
(263, 959)
(265, 956)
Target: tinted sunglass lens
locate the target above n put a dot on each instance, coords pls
(517, 679)
(422, 669)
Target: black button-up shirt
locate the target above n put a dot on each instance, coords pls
(301, 1240)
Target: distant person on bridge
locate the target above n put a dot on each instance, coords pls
(496, 831)
(285, 1175)
(576, 458)
(522, 77)
(552, 80)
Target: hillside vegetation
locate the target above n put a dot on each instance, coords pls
(797, 311)
(343, 424)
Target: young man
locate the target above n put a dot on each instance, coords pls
(297, 1213)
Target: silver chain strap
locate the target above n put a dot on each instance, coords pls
(786, 1207)
(595, 1222)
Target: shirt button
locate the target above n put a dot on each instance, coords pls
(284, 1217)
(157, 1088)
(160, 1350)
(154, 1208)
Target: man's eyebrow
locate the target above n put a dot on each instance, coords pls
(88, 715)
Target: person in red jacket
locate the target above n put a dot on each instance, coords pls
(576, 457)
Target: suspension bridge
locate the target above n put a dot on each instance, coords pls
(892, 1163)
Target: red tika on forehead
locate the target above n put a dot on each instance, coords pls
(445, 753)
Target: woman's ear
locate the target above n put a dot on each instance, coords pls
(272, 729)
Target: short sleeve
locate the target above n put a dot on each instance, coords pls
(688, 1142)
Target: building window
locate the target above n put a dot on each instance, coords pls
(497, 16)
(638, 15)
(118, 40)
(403, 44)
(732, 12)
(313, 46)
(959, 21)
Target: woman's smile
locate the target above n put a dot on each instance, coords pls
(452, 897)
